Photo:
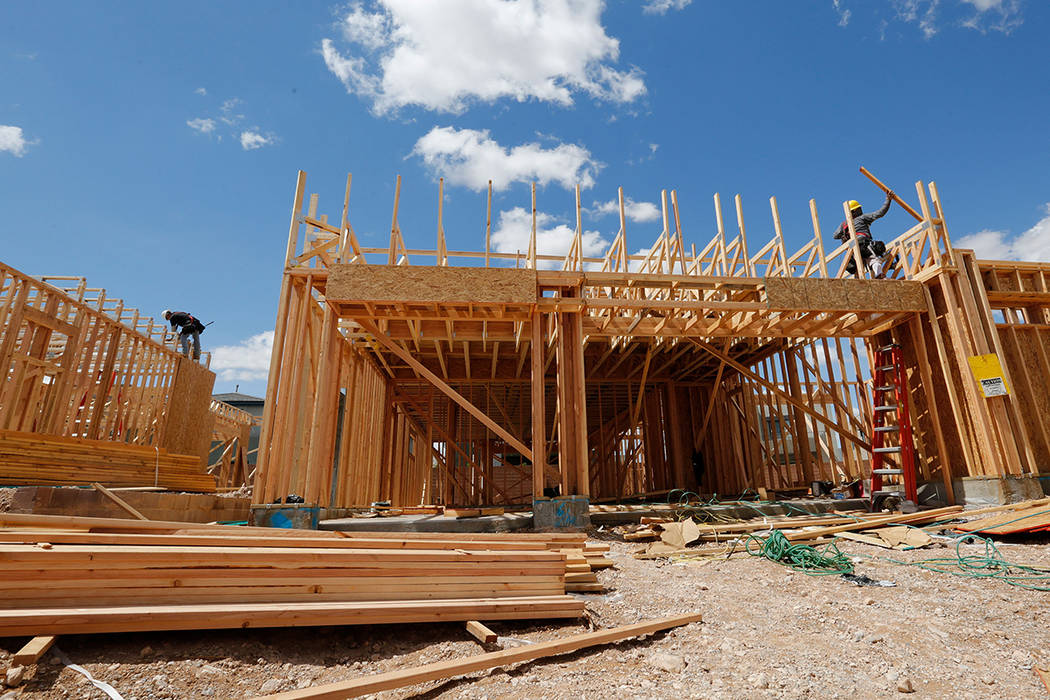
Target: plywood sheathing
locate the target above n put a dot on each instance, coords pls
(789, 294)
(190, 419)
(425, 284)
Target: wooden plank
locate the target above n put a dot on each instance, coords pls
(538, 404)
(783, 395)
(472, 512)
(32, 651)
(481, 633)
(384, 340)
(142, 618)
(869, 523)
(457, 667)
(121, 503)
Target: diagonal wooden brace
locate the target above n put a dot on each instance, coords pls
(470, 408)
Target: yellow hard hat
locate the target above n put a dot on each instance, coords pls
(854, 204)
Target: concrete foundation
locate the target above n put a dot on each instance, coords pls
(988, 490)
(431, 523)
(155, 505)
(289, 516)
(568, 513)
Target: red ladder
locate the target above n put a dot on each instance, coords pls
(890, 380)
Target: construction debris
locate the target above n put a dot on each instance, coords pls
(448, 669)
(1033, 519)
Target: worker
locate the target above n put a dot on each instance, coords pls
(872, 252)
(187, 327)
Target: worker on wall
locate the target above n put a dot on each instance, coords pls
(872, 252)
(187, 327)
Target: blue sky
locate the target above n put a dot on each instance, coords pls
(153, 147)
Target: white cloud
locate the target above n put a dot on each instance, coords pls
(987, 15)
(844, 14)
(246, 361)
(1033, 245)
(229, 116)
(997, 15)
(353, 72)
(635, 211)
(471, 158)
(443, 55)
(659, 7)
(13, 140)
(514, 231)
(251, 140)
(205, 126)
(201, 91)
(228, 122)
(923, 12)
(369, 29)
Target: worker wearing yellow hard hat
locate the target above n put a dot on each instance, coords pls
(871, 251)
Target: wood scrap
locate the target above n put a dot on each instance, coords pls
(447, 669)
(1031, 519)
(898, 537)
(481, 633)
(32, 651)
(120, 502)
(472, 512)
(865, 539)
(869, 523)
(678, 534)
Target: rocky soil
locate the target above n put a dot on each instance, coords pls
(767, 633)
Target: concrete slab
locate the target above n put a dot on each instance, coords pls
(432, 523)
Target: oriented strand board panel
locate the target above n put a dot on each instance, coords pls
(429, 284)
(790, 294)
(190, 419)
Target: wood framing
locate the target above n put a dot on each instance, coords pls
(422, 375)
(91, 390)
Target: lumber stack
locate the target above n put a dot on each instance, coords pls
(46, 460)
(83, 575)
(80, 575)
(1031, 519)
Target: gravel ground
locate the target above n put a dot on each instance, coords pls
(767, 633)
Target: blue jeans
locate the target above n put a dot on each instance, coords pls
(184, 338)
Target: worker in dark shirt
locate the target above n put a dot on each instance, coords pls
(871, 251)
(187, 327)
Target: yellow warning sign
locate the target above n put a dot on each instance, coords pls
(989, 375)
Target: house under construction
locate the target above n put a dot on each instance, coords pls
(477, 377)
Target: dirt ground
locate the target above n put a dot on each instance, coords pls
(767, 633)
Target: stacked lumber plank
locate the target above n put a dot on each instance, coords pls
(48, 460)
(80, 575)
(1033, 516)
(83, 575)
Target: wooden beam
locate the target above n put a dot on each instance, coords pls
(121, 503)
(887, 190)
(473, 410)
(481, 633)
(457, 667)
(776, 390)
(539, 435)
(32, 651)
